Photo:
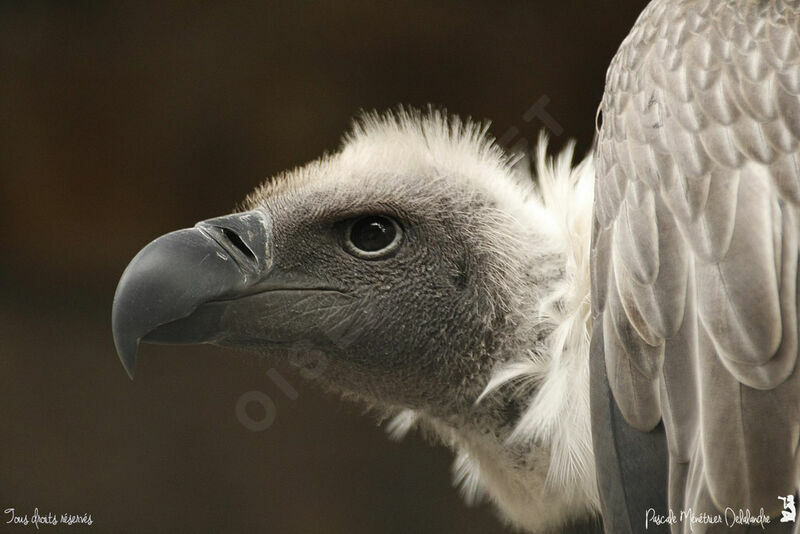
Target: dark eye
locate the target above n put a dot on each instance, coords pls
(373, 236)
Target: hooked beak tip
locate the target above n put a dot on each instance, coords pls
(126, 350)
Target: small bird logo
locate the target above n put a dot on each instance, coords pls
(789, 512)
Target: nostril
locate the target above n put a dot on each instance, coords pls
(237, 242)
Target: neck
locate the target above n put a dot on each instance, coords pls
(527, 443)
(526, 446)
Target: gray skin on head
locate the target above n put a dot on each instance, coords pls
(422, 327)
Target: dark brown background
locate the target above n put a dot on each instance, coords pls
(121, 122)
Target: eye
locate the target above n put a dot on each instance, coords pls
(371, 237)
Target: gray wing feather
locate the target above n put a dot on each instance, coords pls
(695, 244)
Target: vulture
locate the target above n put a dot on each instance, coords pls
(606, 346)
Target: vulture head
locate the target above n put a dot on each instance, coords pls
(421, 270)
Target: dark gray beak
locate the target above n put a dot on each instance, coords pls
(176, 274)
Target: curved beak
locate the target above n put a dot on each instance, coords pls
(169, 279)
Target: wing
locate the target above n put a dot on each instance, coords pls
(694, 262)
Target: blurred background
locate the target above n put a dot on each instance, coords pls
(122, 121)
